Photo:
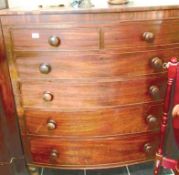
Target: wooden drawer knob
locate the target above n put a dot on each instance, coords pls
(54, 41)
(51, 124)
(154, 92)
(148, 148)
(151, 120)
(148, 36)
(45, 68)
(54, 155)
(47, 96)
(156, 63)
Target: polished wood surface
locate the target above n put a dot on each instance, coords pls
(88, 153)
(165, 33)
(76, 95)
(89, 83)
(7, 107)
(96, 123)
(11, 152)
(70, 39)
(78, 65)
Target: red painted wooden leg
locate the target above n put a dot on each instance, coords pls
(171, 77)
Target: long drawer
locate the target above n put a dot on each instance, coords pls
(90, 153)
(64, 65)
(96, 123)
(144, 34)
(76, 94)
(55, 39)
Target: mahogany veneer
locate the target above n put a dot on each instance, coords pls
(96, 123)
(81, 94)
(67, 42)
(92, 64)
(165, 32)
(89, 153)
(11, 154)
(89, 84)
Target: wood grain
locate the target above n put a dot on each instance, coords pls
(10, 143)
(92, 153)
(108, 15)
(127, 35)
(79, 65)
(8, 123)
(85, 95)
(100, 80)
(94, 123)
(70, 39)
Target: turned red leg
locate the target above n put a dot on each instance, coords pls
(171, 77)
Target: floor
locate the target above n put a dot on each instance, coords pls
(141, 169)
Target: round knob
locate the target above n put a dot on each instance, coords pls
(54, 154)
(151, 120)
(156, 63)
(148, 148)
(148, 36)
(154, 92)
(51, 125)
(47, 96)
(54, 41)
(45, 68)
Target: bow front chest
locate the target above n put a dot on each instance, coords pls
(89, 84)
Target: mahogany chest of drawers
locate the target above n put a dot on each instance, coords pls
(89, 85)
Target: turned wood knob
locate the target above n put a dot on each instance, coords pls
(151, 120)
(47, 96)
(154, 92)
(51, 124)
(54, 41)
(156, 63)
(45, 68)
(148, 36)
(148, 148)
(54, 154)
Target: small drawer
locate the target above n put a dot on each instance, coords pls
(56, 94)
(55, 39)
(91, 65)
(101, 122)
(97, 153)
(141, 34)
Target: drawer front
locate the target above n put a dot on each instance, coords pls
(104, 122)
(55, 39)
(141, 34)
(91, 65)
(77, 94)
(92, 153)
